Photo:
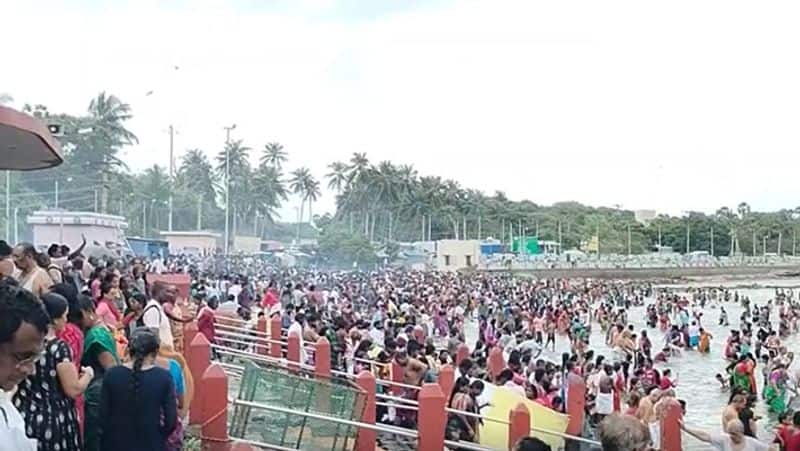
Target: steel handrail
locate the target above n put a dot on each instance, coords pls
(316, 416)
(261, 358)
(467, 445)
(378, 381)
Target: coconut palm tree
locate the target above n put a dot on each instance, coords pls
(337, 178)
(298, 183)
(107, 117)
(269, 190)
(196, 175)
(274, 155)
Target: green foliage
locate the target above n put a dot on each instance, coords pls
(342, 248)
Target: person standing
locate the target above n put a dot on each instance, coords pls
(22, 331)
(99, 353)
(46, 398)
(31, 276)
(138, 406)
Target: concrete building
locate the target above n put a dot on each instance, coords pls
(193, 242)
(68, 227)
(246, 244)
(452, 255)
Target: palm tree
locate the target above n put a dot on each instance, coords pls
(337, 178)
(196, 175)
(313, 192)
(358, 166)
(108, 115)
(743, 209)
(298, 184)
(269, 190)
(153, 188)
(274, 155)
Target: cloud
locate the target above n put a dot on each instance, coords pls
(676, 107)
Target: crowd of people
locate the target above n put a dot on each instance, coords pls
(93, 351)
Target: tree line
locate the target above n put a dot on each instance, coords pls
(377, 204)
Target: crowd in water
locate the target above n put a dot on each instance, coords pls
(110, 340)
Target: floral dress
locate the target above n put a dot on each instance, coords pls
(50, 415)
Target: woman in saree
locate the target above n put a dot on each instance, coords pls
(775, 393)
(99, 353)
(742, 376)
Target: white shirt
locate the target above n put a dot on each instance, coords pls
(155, 318)
(12, 427)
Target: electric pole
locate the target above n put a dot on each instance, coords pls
(227, 185)
(712, 241)
(171, 173)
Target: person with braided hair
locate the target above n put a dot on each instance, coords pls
(138, 409)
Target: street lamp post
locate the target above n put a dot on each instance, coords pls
(227, 184)
(171, 173)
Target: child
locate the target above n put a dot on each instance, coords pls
(723, 384)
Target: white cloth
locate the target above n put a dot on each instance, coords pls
(295, 327)
(155, 318)
(722, 442)
(655, 434)
(12, 427)
(604, 403)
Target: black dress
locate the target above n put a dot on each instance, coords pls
(50, 415)
(133, 422)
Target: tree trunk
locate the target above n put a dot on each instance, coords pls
(366, 223)
(372, 229)
(104, 193)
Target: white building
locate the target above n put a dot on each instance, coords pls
(68, 227)
(192, 242)
(452, 255)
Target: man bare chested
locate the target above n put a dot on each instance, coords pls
(647, 414)
(32, 277)
(731, 411)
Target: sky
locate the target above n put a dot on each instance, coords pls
(671, 106)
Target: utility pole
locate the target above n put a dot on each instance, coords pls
(754, 243)
(171, 173)
(56, 202)
(480, 236)
(659, 238)
(16, 225)
(597, 235)
(629, 240)
(227, 184)
(199, 213)
(712, 241)
(144, 219)
(688, 239)
(95, 201)
(764, 247)
(780, 239)
(559, 236)
(8, 205)
(794, 242)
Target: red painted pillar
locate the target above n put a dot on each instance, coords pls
(671, 428)
(189, 331)
(576, 405)
(275, 335)
(322, 358)
(293, 351)
(462, 352)
(397, 376)
(520, 424)
(447, 378)
(261, 336)
(215, 409)
(198, 357)
(432, 417)
(365, 440)
(496, 361)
